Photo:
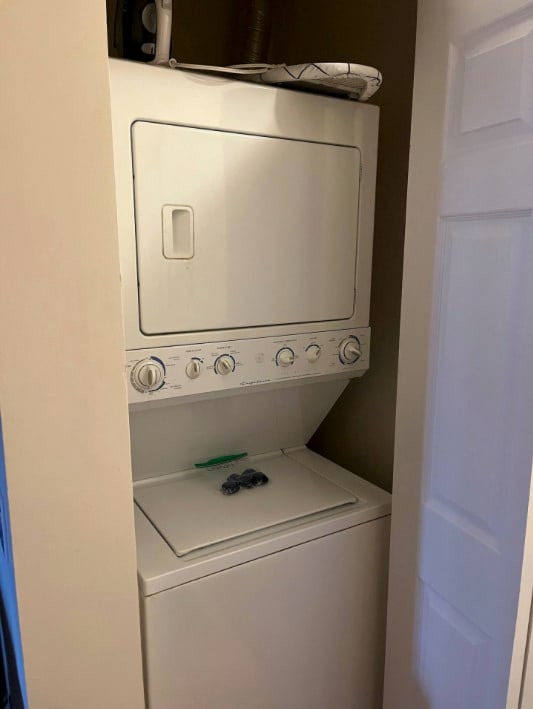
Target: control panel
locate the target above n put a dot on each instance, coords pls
(186, 370)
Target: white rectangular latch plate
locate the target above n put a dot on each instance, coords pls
(178, 231)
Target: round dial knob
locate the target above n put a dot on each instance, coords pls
(313, 353)
(194, 368)
(285, 357)
(350, 350)
(148, 375)
(225, 364)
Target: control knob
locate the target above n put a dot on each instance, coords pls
(285, 357)
(148, 375)
(225, 364)
(313, 353)
(194, 368)
(350, 350)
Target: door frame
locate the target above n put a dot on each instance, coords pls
(423, 200)
(520, 690)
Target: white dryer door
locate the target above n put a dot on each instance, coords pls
(237, 230)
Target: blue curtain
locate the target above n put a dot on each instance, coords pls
(12, 685)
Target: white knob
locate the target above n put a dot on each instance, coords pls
(350, 350)
(225, 364)
(147, 375)
(193, 368)
(313, 353)
(285, 357)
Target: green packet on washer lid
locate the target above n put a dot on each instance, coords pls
(220, 460)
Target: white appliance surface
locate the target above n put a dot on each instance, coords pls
(167, 438)
(291, 616)
(252, 364)
(241, 208)
(160, 568)
(191, 512)
(233, 228)
(245, 219)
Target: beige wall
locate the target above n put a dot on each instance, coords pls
(62, 393)
(359, 432)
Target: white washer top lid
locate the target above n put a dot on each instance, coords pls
(191, 513)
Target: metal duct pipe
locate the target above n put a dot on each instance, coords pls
(258, 34)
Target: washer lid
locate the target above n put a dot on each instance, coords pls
(191, 513)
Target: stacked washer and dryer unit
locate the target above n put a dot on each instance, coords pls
(245, 217)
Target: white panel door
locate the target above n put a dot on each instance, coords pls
(465, 402)
(237, 230)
